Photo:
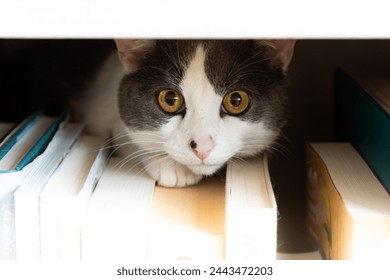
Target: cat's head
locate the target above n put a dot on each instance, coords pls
(201, 103)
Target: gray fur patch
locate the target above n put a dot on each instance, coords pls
(229, 66)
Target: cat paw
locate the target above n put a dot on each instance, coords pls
(173, 175)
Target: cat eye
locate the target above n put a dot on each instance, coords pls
(235, 102)
(170, 101)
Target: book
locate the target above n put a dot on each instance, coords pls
(11, 138)
(64, 198)
(251, 211)
(29, 140)
(19, 152)
(349, 209)
(362, 104)
(222, 217)
(26, 197)
(115, 224)
(188, 223)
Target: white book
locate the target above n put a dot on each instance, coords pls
(251, 211)
(19, 153)
(64, 199)
(115, 224)
(232, 217)
(26, 197)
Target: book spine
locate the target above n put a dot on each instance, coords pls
(26, 197)
(61, 217)
(9, 183)
(251, 224)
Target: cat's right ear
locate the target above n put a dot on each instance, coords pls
(279, 52)
(132, 51)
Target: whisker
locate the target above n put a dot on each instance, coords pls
(127, 160)
(144, 133)
(151, 162)
(141, 153)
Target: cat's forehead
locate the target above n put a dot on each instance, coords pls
(217, 52)
(197, 89)
(224, 61)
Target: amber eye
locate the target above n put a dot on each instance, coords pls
(170, 101)
(235, 102)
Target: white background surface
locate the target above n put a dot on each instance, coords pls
(194, 19)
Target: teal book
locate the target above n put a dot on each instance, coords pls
(362, 107)
(15, 135)
(47, 128)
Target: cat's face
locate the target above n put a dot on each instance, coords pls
(201, 103)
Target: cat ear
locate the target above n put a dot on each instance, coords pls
(132, 51)
(280, 52)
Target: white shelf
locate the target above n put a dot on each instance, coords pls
(194, 19)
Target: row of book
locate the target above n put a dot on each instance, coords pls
(43, 161)
(348, 181)
(63, 197)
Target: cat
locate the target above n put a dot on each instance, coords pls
(183, 108)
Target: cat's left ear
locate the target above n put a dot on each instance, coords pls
(131, 52)
(280, 52)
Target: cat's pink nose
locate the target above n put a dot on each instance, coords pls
(202, 146)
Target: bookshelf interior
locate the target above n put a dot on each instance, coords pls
(311, 75)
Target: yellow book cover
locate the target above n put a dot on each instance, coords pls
(348, 208)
